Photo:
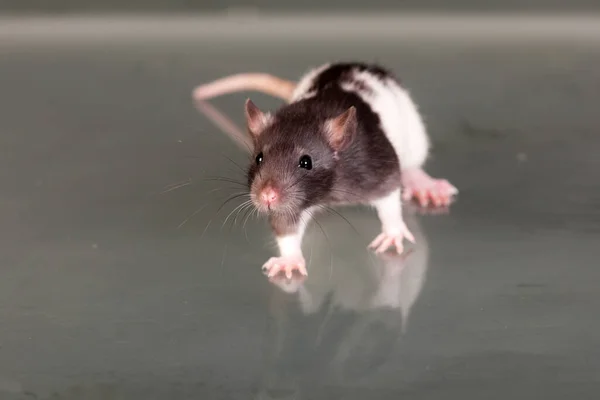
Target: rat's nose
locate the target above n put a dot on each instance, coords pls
(269, 196)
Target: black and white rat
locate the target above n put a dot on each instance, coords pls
(349, 134)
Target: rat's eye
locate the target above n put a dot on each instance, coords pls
(305, 162)
(259, 158)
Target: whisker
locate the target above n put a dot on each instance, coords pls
(253, 214)
(231, 226)
(177, 183)
(331, 210)
(362, 237)
(234, 210)
(233, 197)
(243, 170)
(215, 190)
(247, 206)
(205, 228)
(359, 197)
(191, 216)
(236, 217)
(314, 218)
(175, 187)
(234, 169)
(236, 164)
(223, 179)
(295, 183)
(188, 182)
(248, 214)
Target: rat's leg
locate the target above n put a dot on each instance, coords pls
(408, 135)
(289, 240)
(418, 184)
(394, 230)
(290, 258)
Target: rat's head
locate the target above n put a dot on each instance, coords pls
(294, 157)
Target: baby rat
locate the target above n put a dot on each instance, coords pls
(350, 134)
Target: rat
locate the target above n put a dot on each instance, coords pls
(349, 134)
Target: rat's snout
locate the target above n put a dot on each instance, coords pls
(269, 196)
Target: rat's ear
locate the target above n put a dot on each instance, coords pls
(341, 130)
(256, 120)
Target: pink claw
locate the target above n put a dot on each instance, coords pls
(385, 240)
(286, 264)
(426, 190)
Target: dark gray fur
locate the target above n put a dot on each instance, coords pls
(364, 171)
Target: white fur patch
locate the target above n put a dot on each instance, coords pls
(304, 84)
(389, 211)
(399, 116)
(291, 245)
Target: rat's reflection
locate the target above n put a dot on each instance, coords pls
(342, 322)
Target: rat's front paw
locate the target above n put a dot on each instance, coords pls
(287, 264)
(386, 240)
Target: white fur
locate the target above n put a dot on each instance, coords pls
(302, 88)
(389, 211)
(399, 116)
(291, 245)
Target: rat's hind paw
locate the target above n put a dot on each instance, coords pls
(287, 264)
(386, 240)
(426, 190)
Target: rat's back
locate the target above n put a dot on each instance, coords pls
(378, 88)
(352, 76)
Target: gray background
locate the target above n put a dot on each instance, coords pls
(61, 6)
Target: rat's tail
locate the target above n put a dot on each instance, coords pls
(264, 83)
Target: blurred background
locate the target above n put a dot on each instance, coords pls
(121, 276)
(58, 6)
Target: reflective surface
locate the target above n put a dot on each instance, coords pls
(118, 279)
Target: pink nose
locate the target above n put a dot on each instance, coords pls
(269, 196)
